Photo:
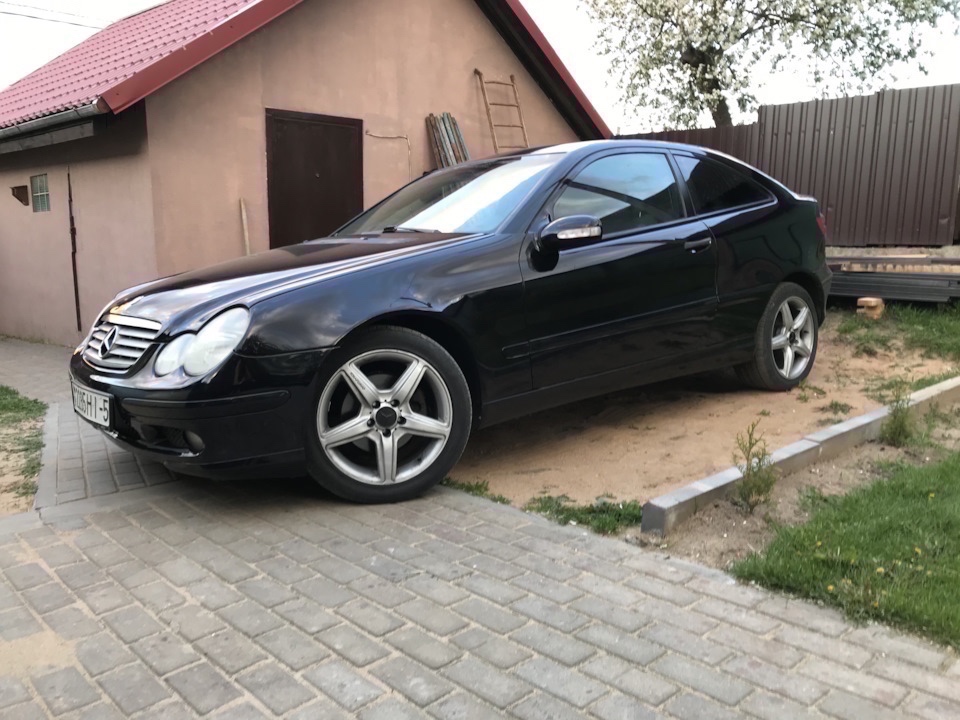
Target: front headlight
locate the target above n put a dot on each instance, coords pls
(171, 357)
(199, 354)
(215, 341)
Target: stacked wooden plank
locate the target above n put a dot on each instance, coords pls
(916, 278)
(446, 140)
(896, 264)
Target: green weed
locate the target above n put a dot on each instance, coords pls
(604, 517)
(898, 429)
(480, 489)
(835, 407)
(931, 380)
(806, 391)
(753, 460)
(24, 488)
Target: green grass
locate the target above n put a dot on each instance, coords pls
(16, 410)
(868, 337)
(480, 489)
(889, 551)
(605, 517)
(933, 331)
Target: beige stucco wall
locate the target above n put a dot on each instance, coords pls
(387, 62)
(113, 214)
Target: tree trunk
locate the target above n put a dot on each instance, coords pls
(706, 85)
(721, 114)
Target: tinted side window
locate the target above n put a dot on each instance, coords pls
(626, 192)
(714, 186)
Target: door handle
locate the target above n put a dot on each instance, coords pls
(697, 245)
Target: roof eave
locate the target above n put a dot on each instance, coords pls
(97, 107)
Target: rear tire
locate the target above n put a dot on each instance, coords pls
(785, 346)
(390, 419)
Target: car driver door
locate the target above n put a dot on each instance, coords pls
(644, 294)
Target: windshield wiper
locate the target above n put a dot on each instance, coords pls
(401, 229)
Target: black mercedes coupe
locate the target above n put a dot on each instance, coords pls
(473, 295)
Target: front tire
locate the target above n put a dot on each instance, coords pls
(786, 341)
(391, 418)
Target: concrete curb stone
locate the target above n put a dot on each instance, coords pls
(662, 514)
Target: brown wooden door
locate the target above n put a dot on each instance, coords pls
(314, 174)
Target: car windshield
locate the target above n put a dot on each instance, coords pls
(469, 199)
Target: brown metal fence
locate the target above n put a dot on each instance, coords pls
(885, 167)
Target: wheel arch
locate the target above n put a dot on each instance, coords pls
(441, 332)
(810, 283)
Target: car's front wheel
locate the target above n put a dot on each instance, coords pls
(786, 341)
(392, 417)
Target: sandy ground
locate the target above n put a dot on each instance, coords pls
(10, 464)
(644, 442)
(722, 533)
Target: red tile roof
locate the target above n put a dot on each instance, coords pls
(138, 55)
(131, 58)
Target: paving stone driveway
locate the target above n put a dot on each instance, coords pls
(251, 600)
(78, 461)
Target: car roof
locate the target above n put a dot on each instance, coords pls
(584, 148)
(578, 147)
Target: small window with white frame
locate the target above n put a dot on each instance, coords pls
(40, 193)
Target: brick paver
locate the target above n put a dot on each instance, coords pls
(161, 627)
(247, 600)
(78, 461)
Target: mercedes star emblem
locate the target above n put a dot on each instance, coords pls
(107, 345)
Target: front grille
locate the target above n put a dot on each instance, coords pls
(126, 339)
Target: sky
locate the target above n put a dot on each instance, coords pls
(28, 42)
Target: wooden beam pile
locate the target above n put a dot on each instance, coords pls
(446, 140)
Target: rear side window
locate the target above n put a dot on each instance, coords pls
(626, 192)
(714, 186)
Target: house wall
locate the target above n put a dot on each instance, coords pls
(113, 213)
(387, 62)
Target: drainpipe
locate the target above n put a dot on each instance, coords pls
(73, 250)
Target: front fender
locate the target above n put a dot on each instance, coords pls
(475, 286)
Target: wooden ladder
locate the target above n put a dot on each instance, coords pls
(497, 147)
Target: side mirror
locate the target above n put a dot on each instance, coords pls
(570, 232)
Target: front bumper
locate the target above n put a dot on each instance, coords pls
(247, 420)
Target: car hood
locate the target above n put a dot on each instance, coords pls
(187, 300)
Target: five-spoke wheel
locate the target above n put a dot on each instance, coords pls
(392, 417)
(794, 335)
(786, 341)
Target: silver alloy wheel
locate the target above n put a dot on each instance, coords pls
(794, 333)
(398, 424)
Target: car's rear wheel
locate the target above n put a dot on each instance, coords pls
(392, 417)
(786, 342)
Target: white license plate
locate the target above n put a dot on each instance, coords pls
(91, 405)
